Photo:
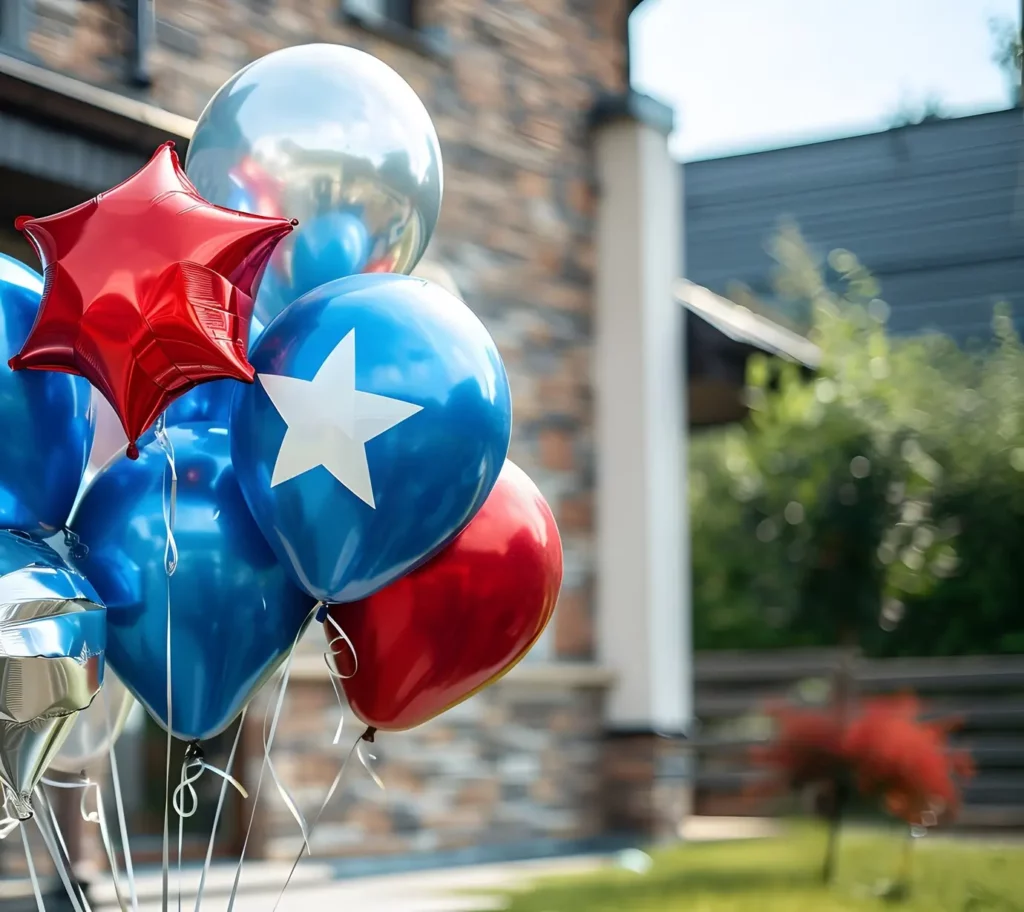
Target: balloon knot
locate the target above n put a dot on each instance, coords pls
(133, 450)
(21, 221)
(194, 751)
(368, 734)
(294, 223)
(321, 613)
(15, 363)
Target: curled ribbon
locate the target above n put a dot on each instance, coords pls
(335, 675)
(76, 547)
(364, 758)
(99, 817)
(49, 829)
(8, 824)
(191, 772)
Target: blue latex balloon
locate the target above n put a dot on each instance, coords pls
(234, 612)
(208, 402)
(46, 419)
(332, 247)
(355, 487)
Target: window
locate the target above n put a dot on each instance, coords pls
(382, 12)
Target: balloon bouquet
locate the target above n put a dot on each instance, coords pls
(311, 433)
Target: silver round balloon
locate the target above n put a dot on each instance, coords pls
(335, 138)
(97, 728)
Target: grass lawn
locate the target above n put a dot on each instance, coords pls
(782, 875)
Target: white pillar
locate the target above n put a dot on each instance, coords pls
(643, 553)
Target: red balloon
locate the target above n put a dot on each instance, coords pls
(438, 635)
(149, 291)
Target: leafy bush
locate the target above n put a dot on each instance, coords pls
(879, 501)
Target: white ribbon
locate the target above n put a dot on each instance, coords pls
(356, 749)
(8, 824)
(220, 808)
(98, 817)
(332, 670)
(58, 850)
(33, 878)
(169, 502)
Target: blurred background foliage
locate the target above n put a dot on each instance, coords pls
(878, 502)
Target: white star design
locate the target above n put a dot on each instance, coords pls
(329, 421)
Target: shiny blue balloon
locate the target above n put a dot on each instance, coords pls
(234, 613)
(208, 402)
(46, 419)
(355, 487)
(331, 247)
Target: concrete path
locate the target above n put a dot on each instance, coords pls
(442, 890)
(423, 891)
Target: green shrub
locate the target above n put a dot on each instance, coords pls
(879, 500)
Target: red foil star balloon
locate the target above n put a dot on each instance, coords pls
(149, 291)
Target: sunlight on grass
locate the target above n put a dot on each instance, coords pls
(782, 875)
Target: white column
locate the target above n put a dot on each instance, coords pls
(643, 559)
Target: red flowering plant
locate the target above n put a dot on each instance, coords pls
(905, 761)
(881, 748)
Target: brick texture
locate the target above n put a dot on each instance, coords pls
(509, 97)
(518, 762)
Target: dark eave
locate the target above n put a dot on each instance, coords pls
(53, 97)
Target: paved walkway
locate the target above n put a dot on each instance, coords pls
(423, 891)
(442, 890)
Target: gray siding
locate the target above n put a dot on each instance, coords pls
(935, 210)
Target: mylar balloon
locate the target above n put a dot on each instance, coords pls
(459, 622)
(378, 425)
(52, 639)
(46, 418)
(234, 613)
(208, 402)
(96, 729)
(149, 291)
(333, 137)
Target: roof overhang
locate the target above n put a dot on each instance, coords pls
(746, 327)
(56, 97)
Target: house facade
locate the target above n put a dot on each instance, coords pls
(560, 228)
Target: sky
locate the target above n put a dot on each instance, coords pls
(744, 75)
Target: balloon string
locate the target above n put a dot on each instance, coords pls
(169, 500)
(8, 824)
(76, 547)
(354, 750)
(58, 852)
(220, 808)
(335, 675)
(191, 772)
(268, 741)
(32, 876)
(99, 817)
(119, 804)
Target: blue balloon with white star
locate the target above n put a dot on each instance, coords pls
(47, 419)
(377, 426)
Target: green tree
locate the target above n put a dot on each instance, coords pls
(855, 505)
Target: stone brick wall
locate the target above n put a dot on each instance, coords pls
(509, 84)
(519, 762)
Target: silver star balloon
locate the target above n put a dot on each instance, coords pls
(52, 642)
